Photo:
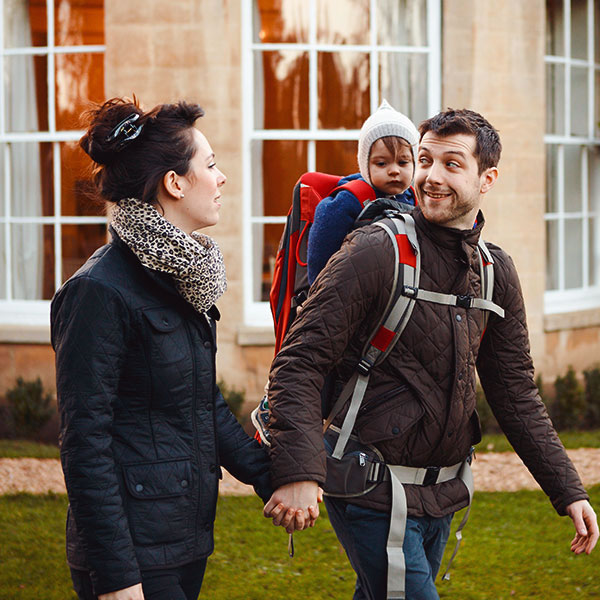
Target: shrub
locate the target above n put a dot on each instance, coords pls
(235, 399)
(29, 407)
(592, 397)
(569, 404)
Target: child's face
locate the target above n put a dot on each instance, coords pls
(390, 174)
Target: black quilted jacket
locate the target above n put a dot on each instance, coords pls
(144, 429)
(419, 408)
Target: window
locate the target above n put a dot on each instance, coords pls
(572, 155)
(318, 68)
(51, 53)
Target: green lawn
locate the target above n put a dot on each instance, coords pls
(570, 439)
(26, 449)
(514, 547)
(490, 443)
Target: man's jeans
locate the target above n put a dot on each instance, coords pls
(363, 533)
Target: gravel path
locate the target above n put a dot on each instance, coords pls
(493, 471)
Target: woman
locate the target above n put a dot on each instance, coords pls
(144, 428)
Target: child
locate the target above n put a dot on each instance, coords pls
(387, 148)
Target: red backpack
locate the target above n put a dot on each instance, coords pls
(290, 278)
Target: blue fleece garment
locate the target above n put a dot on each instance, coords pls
(334, 218)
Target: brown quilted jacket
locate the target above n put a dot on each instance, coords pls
(419, 408)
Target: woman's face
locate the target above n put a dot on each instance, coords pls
(200, 187)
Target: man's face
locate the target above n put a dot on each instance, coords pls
(448, 185)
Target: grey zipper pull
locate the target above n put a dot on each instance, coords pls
(362, 459)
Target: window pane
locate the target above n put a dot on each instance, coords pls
(266, 241)
(285, 98)
(402, 22)
(25, 91)
(281, 21)
(344, 101)
(573, 253)
(280, 162)
(3, 148)
(31, 179)
(337, 157)
(79, 22)
(343, 21)
(594, 179)
(597, 30)
(551, 178)
(579, 30)
(594, 251)
(579, 101)
(573, 189)
(78, 193)
(24, 23)
(555, 99)
(597, 97)
(2, 264)
(78, 244)
(402, 84)
(551, 255)
(79, 80)
(28, 260)
(554, 28)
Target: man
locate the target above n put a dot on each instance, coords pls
(419, 408)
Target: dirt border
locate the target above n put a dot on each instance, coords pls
(493, 471)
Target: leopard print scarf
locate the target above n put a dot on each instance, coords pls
(195, 261)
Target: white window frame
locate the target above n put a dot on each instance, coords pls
(586, 297)
(36, 313)
(258, 314)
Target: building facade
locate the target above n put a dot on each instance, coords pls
(286, 85)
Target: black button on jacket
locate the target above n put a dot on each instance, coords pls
(143, 423)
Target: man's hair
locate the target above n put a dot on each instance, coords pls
(469, 122)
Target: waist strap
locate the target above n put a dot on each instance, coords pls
(401, 476)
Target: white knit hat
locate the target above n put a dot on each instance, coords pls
(383, 122)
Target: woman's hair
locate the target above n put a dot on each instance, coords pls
(134, 149)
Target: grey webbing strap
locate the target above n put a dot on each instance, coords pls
(400, 475)
(466, 476)
(452, 300)
(394, 319)
(359, 392)
(396, 576)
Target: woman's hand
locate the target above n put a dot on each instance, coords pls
(131, 593)
(294, 505)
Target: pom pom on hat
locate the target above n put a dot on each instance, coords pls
(383, 122)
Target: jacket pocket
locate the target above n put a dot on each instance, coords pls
(167, 337)
(390, 417)
(159, 506)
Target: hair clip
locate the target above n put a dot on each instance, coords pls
(126, 130)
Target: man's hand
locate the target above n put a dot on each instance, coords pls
(586, 526)
(294, 505)
(131, 593)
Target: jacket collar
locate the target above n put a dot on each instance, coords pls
(449, 237)
(164, 281)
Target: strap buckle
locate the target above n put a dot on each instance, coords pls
(409, 291)
(464, 301)
(431, 475)
(364, 367)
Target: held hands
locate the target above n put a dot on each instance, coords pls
(586, 526)
(131, 593)
(294, 506)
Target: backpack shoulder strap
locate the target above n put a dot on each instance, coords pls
(407, 267)
(360, 188)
